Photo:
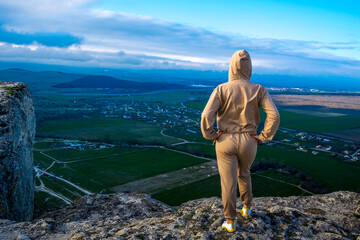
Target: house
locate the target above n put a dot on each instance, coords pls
(301, 149)
(328, 148)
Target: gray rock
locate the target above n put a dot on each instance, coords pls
(139, 216)
(17, 134)
(357, 212)
(22, 237)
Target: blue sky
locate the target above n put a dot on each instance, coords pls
(283, 37)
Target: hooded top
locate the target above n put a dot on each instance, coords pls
(236, 103)
(240, 66)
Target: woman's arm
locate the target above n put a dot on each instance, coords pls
(272, 120)
(208, 116)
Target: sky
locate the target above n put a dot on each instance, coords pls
(299, 37)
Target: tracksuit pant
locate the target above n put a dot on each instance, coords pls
(235, 152)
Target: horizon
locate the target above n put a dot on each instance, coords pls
(201, 36)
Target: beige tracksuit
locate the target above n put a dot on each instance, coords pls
(236, 104)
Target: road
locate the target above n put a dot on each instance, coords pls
(64, 180)
(183, 141)
(42, 188)
(353, 155)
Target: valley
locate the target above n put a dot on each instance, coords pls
(153, 144)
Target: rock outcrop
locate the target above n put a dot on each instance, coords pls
(138, 216)
(17, 127)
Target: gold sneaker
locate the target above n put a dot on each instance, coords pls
(246, 212)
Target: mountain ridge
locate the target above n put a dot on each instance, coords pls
(99, 81)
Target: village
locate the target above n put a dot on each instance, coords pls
(315, 143)
(185, 121)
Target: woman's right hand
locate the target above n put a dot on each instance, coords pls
(257, 139)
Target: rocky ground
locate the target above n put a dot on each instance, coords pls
(138, 216)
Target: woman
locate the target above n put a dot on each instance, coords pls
(236, 104)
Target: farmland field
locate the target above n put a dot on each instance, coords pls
(44, 202)
(99, 170)
(104, 129)
(330, 101)
(318, 124)
(334, 174)
(210, 187)
(198, 149)
(350, 134)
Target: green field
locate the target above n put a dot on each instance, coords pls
(41, 160)
(104, 129)
(333, 173)
(317, 124)
(197, 105)
(182, 132)
(66, 190)
(207, 150)
(43, 145)
(281, 176)
(211, 187)
(99, 170)
(54, 99)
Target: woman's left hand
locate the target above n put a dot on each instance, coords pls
(219, 134)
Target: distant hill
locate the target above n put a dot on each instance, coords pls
(37, 81)
(97, 81)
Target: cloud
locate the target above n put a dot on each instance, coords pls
(74, 33)
(75, 56)
(35, 52)
(40, 9)
(56, 39)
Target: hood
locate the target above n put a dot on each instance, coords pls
(240, 67)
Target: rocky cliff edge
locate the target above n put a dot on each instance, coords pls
(138, 216)
(17, 134)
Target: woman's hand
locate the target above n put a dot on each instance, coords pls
(257, 138)
(219, 134)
